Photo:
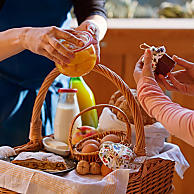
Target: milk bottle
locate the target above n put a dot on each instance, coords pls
(67, 109)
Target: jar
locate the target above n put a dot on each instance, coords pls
(85, 56)
(67, 109)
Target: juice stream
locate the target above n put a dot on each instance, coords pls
(86, 99)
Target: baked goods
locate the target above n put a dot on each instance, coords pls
(6, 151)
(83, 167)
(95, 168)
(40, 160)
(121, 103)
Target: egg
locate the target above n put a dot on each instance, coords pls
(91, 141)
(111, 137)
(90, 148)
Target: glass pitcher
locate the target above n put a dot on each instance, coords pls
(85, 56)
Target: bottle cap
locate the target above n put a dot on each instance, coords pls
(63, 90)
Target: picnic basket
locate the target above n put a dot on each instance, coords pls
(155, 175)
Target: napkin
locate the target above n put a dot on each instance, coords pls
(155, 134)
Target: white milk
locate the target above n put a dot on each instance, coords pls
(63, 119)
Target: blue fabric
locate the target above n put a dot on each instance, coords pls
(22, 75)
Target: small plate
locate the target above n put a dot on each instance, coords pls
(47, 141)
(70, 166)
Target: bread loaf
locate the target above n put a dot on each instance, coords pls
(117, 99)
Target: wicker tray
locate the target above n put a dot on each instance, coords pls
(155, 175)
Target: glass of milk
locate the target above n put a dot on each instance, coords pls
(67, 109)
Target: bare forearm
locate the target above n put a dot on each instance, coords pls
(11, 42)
(100, 23)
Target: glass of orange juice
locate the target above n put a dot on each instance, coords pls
(85, 56)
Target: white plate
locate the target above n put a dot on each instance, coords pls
(48, 141)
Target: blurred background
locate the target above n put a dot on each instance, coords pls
(150, 8)
(155, 22)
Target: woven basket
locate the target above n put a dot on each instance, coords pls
(93, 157)
(155, 175)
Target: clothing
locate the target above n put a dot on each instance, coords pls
(22, 75)
(177, 120)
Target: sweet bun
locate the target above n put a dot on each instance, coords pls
(122, 103)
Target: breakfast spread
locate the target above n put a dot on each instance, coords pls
(40, 160)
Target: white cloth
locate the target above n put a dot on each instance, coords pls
(29, 181)
(154, 134)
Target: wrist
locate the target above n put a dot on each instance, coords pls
(22, 37)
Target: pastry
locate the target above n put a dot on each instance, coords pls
(122, 103)
(6, 151)
(40, 160)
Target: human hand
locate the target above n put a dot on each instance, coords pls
(180, 81)
(90, 27)
(144, 69)
(46, 41)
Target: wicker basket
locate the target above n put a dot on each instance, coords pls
(93, 157)
(155, 175)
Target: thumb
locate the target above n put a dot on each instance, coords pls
(147, 68)
(148, 59)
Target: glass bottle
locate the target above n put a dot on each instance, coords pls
(85, 99)
(67, 109)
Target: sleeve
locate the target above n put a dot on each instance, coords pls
(177, 120)
(86, 8)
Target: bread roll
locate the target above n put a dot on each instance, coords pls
(119, 100)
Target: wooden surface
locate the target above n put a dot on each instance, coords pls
(120, 51)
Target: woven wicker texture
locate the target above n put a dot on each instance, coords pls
(155, 175)
(93, 157)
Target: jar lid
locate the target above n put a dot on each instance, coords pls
(63, 90)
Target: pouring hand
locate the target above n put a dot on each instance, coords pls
(90, 27)
(46, 41)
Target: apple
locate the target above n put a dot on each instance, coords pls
(83, 132)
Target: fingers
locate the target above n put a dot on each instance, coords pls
(179, 86)
(182, 62)
(139, 64)
(66, 35)
(165, 83)
(56, 55)
(60, 47)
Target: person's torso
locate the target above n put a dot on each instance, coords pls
(26, 66)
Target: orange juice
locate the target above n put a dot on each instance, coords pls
(86, 99)
(85, 57)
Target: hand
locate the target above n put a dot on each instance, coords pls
(90, 27)
(180, 81)
(46, 41)
(144, 69)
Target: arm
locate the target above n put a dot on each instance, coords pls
(178, 120)
(10, 42)
(43, 41)
(91, 11)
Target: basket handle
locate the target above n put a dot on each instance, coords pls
(36, 123)
(95, 107)
(133, 106)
